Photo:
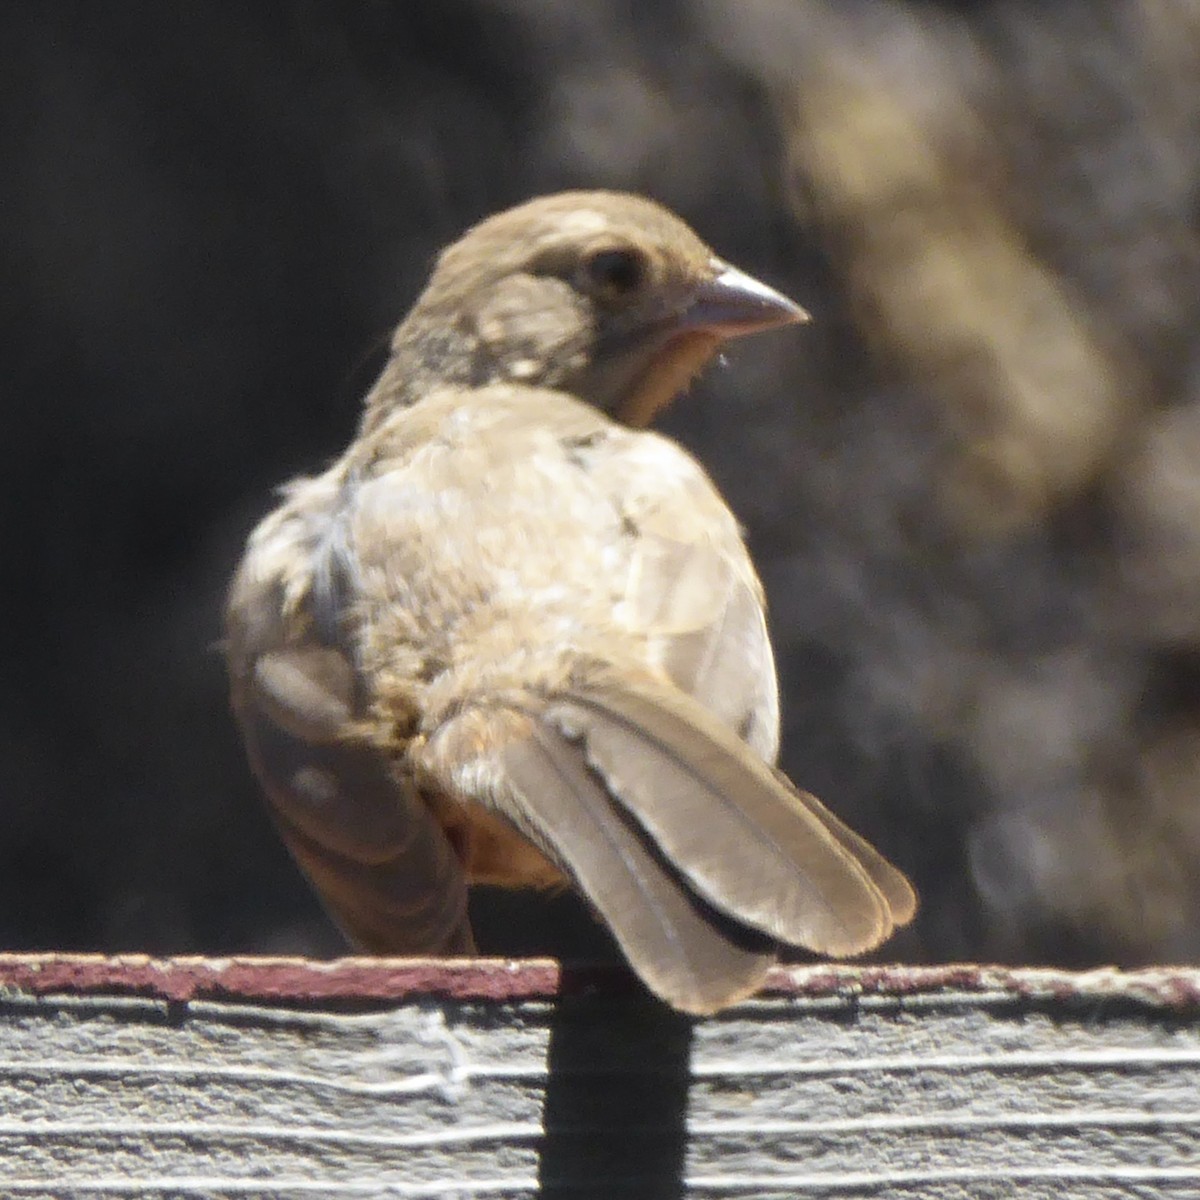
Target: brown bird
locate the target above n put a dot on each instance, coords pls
(509, 637)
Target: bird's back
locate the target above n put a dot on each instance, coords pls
(499, 543)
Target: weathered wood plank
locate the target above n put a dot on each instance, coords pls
(278, 1078)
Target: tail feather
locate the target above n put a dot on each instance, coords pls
(900, 895)
(728, 822)
(688, 953)
(700, 857)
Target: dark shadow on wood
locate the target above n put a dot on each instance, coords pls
(616, 1098)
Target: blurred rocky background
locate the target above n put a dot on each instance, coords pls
(972, 484)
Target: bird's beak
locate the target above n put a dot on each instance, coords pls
(732, 303)
(726, 305)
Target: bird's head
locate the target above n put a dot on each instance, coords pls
(605, 295)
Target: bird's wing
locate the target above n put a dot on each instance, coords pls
(690, 587)
(379, 860)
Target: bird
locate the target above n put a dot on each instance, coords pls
(513, 636)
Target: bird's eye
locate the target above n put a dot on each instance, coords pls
(614, 274)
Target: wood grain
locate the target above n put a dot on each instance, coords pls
(367, 1078)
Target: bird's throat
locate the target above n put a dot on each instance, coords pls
(674, 365)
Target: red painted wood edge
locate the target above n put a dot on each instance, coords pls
(506, 980)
